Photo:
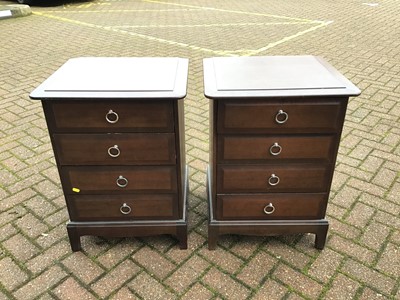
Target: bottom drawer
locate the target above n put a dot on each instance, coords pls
(122, 207)
(272, 206)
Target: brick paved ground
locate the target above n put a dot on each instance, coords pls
(361, 259)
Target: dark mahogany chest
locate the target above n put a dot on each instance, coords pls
(275, 126)
(117, 130)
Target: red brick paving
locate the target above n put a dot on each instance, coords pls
(361, 259)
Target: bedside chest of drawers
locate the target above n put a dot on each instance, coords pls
(117, 130)
(275, 127)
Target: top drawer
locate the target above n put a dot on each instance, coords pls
(110, 116)
(284, 116)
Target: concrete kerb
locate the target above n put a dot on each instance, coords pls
(14, 11)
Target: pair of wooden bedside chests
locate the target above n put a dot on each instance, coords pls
(117, 130)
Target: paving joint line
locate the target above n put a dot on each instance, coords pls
(120, 10)
(234, 11)
(240, 52)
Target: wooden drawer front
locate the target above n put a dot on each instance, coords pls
(282, 206)
(109, 207)
(107, 180)
(270, 178)
(123, 116)
(259, 148)
(258, 116)
(130, 149)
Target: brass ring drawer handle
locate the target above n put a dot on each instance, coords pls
(114, 151)
(112, 117)
(273, 180)
(125, 209)
(269, 209)
(281, 117)
(275, 149)
(122, 181)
